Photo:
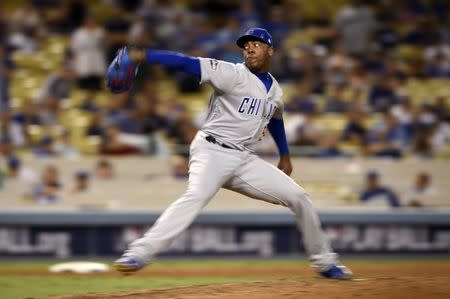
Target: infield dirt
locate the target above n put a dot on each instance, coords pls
(398, 280)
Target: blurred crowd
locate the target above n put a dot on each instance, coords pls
(346, 61)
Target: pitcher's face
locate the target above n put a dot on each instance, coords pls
(257, 56)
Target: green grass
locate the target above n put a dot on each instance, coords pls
(19, 287)
(15, 287)
(26, 286)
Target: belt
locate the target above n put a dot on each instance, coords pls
(212, 139)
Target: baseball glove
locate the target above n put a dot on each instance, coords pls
(121, 71)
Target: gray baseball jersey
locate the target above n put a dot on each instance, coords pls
(240, 107)
(239, 110)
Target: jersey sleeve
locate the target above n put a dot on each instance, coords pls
(279, 100)
(220, 74)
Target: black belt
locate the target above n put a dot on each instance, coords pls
(212, 139)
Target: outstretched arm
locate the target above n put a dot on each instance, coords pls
(124, 67)
(169, 59)
(276, 129)
(221, 75)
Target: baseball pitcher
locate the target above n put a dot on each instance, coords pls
(246, 100)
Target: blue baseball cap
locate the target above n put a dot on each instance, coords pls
(259, 34)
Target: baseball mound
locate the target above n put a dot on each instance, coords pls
(384, 280)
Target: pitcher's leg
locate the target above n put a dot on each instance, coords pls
(175, 219)
(261, 180)
(208, 171)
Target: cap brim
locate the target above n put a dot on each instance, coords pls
(245, 38)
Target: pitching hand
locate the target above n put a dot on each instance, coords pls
(285, 164)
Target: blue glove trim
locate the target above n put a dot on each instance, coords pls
(276, 129)
(174, 60)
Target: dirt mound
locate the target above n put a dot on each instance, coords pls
(409, 280)
(313, 288)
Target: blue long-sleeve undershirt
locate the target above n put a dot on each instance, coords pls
(174, 60)
(276, 129)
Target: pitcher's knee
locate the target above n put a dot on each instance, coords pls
(299, 198)
(197, 196)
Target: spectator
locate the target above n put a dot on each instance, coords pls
(46, 148)
(423, 33)
(11, 129)
(77, 11)
(355, 130)
(440, 107)
(382, 94)
(26, 15)
(386, 34)
(182, 131)
(337, 68)
(307, 65)
(48, 113)
(95, 127)
(89, 57)
(112, 143)
(57, 86)
(64, 147)
(426, 116)
(421, 144)
(26, 42)
(6, 68)
(3, 25)
(440, 137)
(404, 113)
(116, 111)
(303, 101)
(307, 131)
(276, 24)
(49, 189)
(17, 172)
(27, 115)
(335, 102)
(116, 27)
(144, 119)
(444, 28)
(358, 77)
(26, 28)
(329, 147)
(6, 147)
(170, 15)
(438, 67)
(375, 194)
(247, 15)
(355, 25)
(226, 39)
(386, 138)
(81, 183)
(66, 16)
(374, 63)
(89, 104)
(104, 170)
(420, 191)
(426, 128)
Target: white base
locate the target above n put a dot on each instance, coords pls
(79, 267)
